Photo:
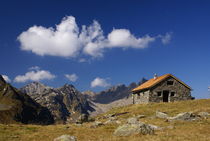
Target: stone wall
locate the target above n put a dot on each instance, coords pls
(181, 92)
(142, 97)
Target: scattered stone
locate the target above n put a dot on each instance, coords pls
(186, 116)
(66, 138)
(96, 124)
(132, 120)
(114, 115)
(82, 118)
(155, 127)
(140, 116)
(112, 122)
(161, 115)
(204, 115)
(132, 129)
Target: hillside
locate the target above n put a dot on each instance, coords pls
(194, 130)
(16, 106)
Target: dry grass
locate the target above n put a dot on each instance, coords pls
(183, 131)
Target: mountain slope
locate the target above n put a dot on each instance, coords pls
(16, 106)
(65, 103)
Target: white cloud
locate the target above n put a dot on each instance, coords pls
(67, 40)
(123, 38)
(6, 78)
(99, 82)
(62, 41)
(34, 76)
(166, 38)
(71, 77)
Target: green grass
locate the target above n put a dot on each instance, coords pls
(183, 131)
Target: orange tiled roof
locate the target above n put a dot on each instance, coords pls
(152, 82)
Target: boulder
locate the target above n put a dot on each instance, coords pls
(66, 138)
(132, 129)
(132, 120)
(204, 115)
(186, 116)
(161, 115)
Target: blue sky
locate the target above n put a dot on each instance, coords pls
(122, 42)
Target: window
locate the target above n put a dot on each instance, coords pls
(172, 93)
(159, 93)
(170, 82)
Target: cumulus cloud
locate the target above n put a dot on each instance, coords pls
(123, 38)
(61, 41)
(68, 40)
(6, 78)
(71, 77)
(166, 38)
(37, 75)
(99, 82)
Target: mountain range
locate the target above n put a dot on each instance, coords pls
(41, 104)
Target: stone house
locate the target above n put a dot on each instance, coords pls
(166, 88)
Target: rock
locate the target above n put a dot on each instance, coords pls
(161, 115)
(132, 120)
(140, 116)
(112, 122)
(132, 129)
(96, 124)
(147, 129)
(186, 116)
(204, 115)
(66, 138)
(155, 127)
(82, 118)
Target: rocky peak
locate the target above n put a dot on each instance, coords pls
(67, 88)
(89, 94)
(114, 93)
(35, 87)
(117, 87)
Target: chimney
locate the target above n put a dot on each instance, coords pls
(155, 76)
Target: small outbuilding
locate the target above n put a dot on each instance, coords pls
(166, 88)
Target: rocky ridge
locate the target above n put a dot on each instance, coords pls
(65, 103)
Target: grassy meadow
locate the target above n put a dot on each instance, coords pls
(181, 131)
